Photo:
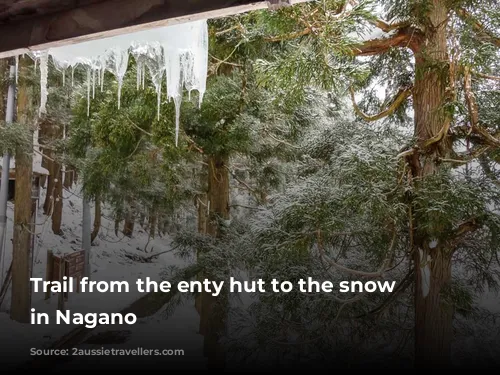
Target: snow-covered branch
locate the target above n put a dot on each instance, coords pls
(478, 27)
(404, 38)
(402, 96)
(341, 268)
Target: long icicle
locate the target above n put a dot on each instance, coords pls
(44, 72)
(88, 91)
(17, 69)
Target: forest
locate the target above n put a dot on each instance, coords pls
(338, 140)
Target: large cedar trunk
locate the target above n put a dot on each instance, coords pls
(212, 319)
(433, 312)
(433, 315)
(21, 257)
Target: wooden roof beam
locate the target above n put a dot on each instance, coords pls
(114, 17)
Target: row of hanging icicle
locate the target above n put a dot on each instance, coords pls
(178, 54)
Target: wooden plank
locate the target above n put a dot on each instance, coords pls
(110, 18)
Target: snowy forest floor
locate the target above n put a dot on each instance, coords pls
(111, 259)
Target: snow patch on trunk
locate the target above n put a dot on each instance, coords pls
(425, 273)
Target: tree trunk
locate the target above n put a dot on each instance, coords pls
(46, 134)
(45, 161)
(58, 199)
(21, 257)
(117, 226)
(213, 314)
(433, 311)
(97, 220)
(68, 177)
(433, 315)
(202, 213)
(128, 226)
(152, 225)
(201, 203)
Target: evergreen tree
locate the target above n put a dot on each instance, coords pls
(433, 57)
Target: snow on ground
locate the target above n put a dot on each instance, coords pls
(108, 263)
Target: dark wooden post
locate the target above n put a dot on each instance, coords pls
(49, 271)
(62, 272)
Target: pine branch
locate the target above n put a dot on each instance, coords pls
(291, 36)
(405, 38)
(473, 112)
(402, 96)
(486, 76)
(387, 27)
(463, 230)
(341, 268)
(470, 99)
(478, 27)
(468, 157)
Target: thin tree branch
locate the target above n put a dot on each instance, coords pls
(341, 268)
(486, 76)
(387, 27)
(470, 99)
(405, 38)
(478, 27)
(463, 229)
(402, 96)
(291, 36)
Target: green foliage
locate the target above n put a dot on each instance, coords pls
(215, 126)
(128, 154)
(15, 138)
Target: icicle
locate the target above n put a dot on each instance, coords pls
(143, 76)
(102, 78)
(36, 63)
(72, 76)
(44, 71)
(88, 92)
(64, 77)
(120, 84)
(156, 67)
(17, 69)
(93, 82)
(158, 101)
(138, 80)
(184, 60)
(177, 103)
(118, 66)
